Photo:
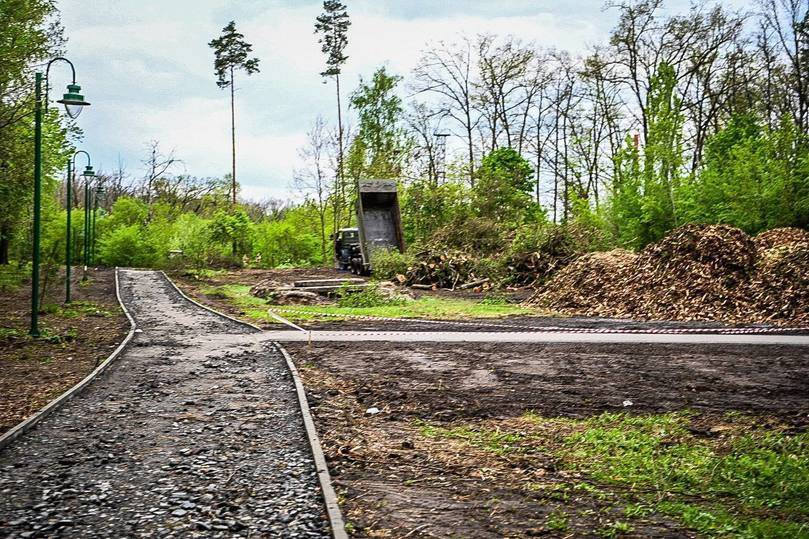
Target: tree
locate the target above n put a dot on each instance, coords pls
(503, 189)
(447, 71)
(312, 179)
(231, 52)
(333, 25)
(30, 33)
(380, 142)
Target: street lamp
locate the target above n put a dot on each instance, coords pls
(88, 172)
(73, 102)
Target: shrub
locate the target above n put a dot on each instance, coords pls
(126, 246)
(387, 263)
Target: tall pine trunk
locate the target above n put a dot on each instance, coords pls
(233, 148)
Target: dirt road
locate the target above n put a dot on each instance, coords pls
(194, 431)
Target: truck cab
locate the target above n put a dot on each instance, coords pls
(346, 247)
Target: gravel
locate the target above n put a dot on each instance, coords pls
(195, 431)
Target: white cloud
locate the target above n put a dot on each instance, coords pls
(147, 69)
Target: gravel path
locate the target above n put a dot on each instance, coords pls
(194, 431)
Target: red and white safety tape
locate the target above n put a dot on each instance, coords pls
(671, 331)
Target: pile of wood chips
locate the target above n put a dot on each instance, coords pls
(697, 272)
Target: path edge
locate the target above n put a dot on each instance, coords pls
(27, 424)
(333, 512)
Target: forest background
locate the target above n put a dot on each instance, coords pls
(697, 117)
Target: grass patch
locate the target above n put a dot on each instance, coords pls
(75, 309)
(10, 333)
(748, 481)
(499, 443)
(202, 274)
(429, 307)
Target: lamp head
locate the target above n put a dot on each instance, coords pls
(88, 172)
(73, 101)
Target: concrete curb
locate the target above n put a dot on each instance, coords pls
(329, 495)
(59, 401)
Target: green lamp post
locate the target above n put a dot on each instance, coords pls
(88, 172)
(74, 103)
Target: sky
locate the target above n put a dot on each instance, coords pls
(146, 67)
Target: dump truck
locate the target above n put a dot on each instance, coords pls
(379, 226)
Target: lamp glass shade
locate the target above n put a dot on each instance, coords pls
(73, 101)
(88, 172)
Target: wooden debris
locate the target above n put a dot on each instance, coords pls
(696, 273)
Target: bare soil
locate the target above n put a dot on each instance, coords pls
(35, 371)
(398, 483)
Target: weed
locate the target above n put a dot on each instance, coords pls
(9, 333)
(615, 529)
(557, 520)
(750, 482)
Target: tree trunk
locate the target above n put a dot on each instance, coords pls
(340, 172)
(233, 147)
(233, 136)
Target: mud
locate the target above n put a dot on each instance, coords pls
(397, 483)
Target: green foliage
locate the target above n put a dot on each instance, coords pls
(370, 296)
(287, 242)
(503, 188)
(232, 228)
(642, 206)
(333, 25)
(427, 208)
(380, 143)
(231, 52)
(126, 246)
(388, 263)
(754, 178)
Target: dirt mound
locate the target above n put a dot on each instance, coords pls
(697, 272)
(580, 286)
(781, 237)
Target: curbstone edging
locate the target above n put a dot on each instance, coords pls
(29, 423)
(333, 512)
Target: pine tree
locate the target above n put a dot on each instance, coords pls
(231, 52)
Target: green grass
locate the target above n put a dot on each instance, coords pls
(204, 273)
(429, 307)
(75, 309)
(10, 333)
(750, 482)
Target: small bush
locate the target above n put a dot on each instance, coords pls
(493, 269)
(387, 264)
